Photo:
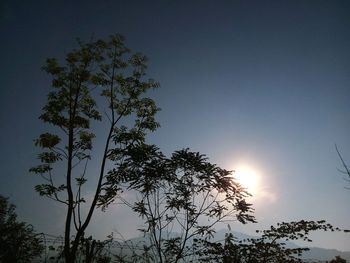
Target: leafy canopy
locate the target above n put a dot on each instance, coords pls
(184, 193)
(100, 86)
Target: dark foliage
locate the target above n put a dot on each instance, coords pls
(269, 248)
(18, 240)
(99, 81)
(338, 259)
(184, 193)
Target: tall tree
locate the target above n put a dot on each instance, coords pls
(100, 86)
(181, 198)
(18, 240)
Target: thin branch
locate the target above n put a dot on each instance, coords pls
(342, 160)
(107, 116)
(59, 151)
(56, 198)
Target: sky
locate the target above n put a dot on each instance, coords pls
(258, 86)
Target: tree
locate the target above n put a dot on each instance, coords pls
(18, 240)
(338, 259)
(95, 251)
(100, 84)
(271, 247)
(181, 198)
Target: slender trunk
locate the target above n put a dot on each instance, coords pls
(81, 230)
(69, 253)
(179, 254)
(69, 258)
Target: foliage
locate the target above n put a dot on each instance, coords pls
(338, 259)
(271, 247)
(99, 81)
(91, 250)
(184, 193)
(18, 240)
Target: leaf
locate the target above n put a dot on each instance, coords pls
(41, 169)
(47, 140)
(80, 181)
(49, 157)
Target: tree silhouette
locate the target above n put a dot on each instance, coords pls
(181, 198)
(338, 259)
(18, 240)
(98, 81)
(271, 247)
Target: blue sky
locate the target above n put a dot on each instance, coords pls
(263, 84)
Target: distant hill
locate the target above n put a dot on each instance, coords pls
(317, 253)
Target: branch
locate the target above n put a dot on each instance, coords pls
(342, 160)
(56, 198)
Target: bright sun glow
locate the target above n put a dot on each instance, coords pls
(247, 177)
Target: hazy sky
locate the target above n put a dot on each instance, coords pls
(259, 84)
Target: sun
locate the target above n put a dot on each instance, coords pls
(247, 177)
